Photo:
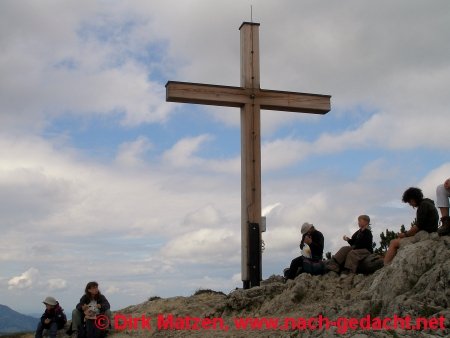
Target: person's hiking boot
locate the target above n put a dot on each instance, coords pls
(445, 227)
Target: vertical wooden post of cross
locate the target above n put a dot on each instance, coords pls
(251, 99)
(251, 264)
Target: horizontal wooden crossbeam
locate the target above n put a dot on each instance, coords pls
(228, 96)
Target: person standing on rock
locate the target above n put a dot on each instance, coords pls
(427, 219)
(360, 246)
(315, 240)
(442, 199)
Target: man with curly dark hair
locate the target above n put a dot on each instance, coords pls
(427, 219)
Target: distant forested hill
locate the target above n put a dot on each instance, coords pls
(13, 321)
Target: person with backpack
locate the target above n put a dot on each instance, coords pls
(315, 241)
(53, 318)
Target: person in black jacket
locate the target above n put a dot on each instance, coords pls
(92, 304)
(360, 247)
(427, 219)
(53, 318)
(315, 241)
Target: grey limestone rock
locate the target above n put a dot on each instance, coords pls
(416, 284)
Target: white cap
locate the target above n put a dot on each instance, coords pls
(305, 227)
(50, 301)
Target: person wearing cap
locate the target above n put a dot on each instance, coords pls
(315, 240)
(427, 219)
(360, 246)
(442, 201)
(52, 320)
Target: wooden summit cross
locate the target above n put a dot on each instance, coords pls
(251, 99)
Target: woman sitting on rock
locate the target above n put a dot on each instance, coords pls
(348, 257)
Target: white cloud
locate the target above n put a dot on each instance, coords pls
(391, 131)
(54, 284)
(378, 170)
(26, 280)
(205, 216)
(98, 75)
(236, 278)
(108, 91)
(437, 176)
(181, 154)
(130, 153)
(112, 290)
(144, 225)
(269, 208)
(204, 246)
(282, 153)
(33, 193)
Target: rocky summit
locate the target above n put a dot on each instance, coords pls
(415, 285)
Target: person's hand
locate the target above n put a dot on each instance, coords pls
(447, 184)
(401, 235)
(346, 238)
(308, 240)
(47, 320)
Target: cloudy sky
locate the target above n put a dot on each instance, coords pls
(101, 179)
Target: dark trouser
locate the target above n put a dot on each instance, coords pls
(78, 317)
(91, 329)
(341, 255)
(52, 328)
(295, 264)
(350, 257)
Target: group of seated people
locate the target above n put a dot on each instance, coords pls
(347, 259)
(92, 304)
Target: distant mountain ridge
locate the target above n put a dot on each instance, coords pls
(13, 321)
